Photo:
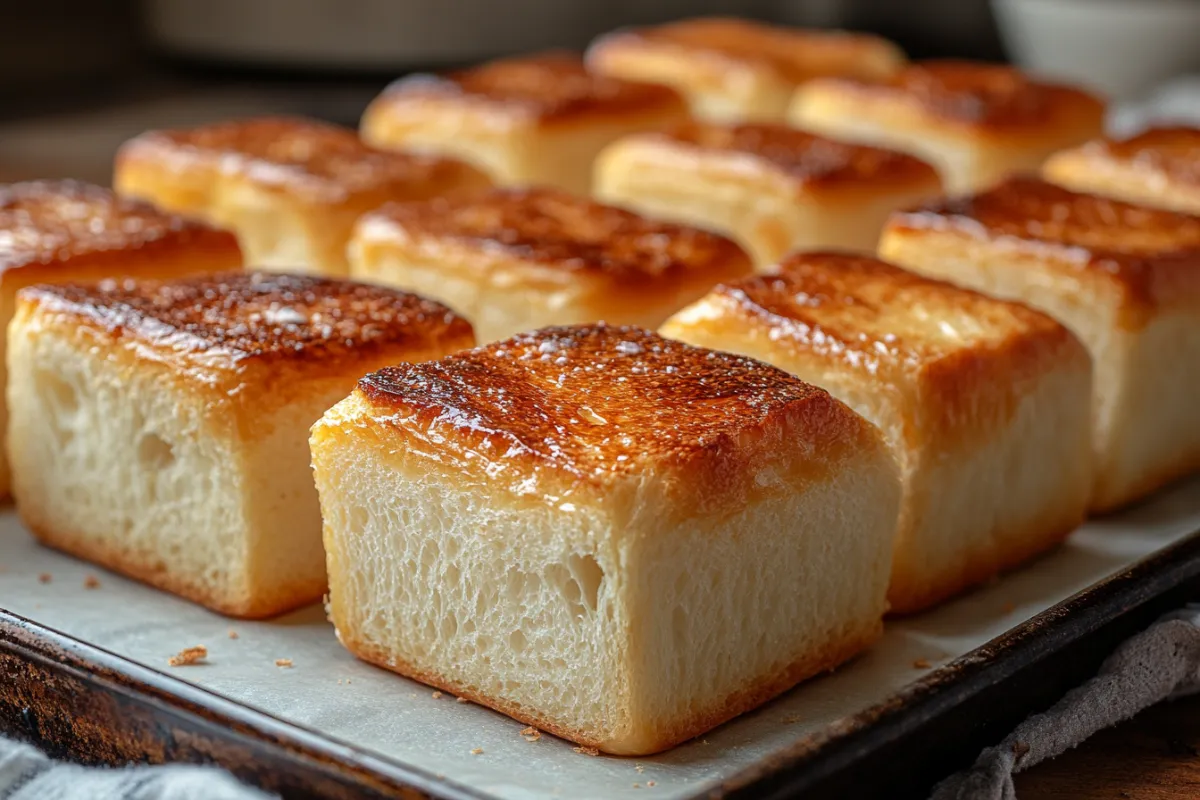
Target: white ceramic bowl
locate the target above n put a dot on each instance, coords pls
(1119, 47)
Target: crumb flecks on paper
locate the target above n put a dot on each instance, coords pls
(91, 582)
(188, 656)
(478, 751)
(586, 751)
(283, 663)
(45, 577)
(233, 634)
(531, 734)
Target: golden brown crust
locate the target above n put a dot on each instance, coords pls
(51, 222)
(869, 313)
(568, 233)
(983, 97)
(158, 574)
(829, 657)
(322, 162)
(811, 161)
(1152, 254)
(594, 400)
(259, 317)
(1172, 152)
(791, 54)
(547, 88)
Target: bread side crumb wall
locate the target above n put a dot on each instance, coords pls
(114, 460)
(513, 601)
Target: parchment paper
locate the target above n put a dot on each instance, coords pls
(326, 689)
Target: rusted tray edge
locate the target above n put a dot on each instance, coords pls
(815, 766)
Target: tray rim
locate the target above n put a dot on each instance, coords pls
(798, 768)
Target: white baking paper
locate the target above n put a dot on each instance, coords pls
(328, 690)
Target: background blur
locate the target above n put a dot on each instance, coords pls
(77, 77)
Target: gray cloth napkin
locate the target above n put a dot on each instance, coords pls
(26, 774)
(1159, 663)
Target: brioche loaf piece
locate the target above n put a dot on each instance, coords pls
(160, 429)
(773, 188)
(622, 540)
(533, 120)
(290, 188)
(1125, 279)
(1158, 167)
(983, 402)
(975, 122)
(738, 70)
(514, 260)
(64, 231)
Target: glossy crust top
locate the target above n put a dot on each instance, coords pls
(807, 159)
(978, 95)
(1168, 154)
(51, 222)
(559, 230)
(596, 403)
(876, 317)
(232, 321)
(546, 88)
(321, 161)
(792, 54)
(1154, 254)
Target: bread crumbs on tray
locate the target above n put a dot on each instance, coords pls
(651, 784)
(531, 734)
(436, 695)
(639, 768)
(478, 751)
(283, 663)
(586, 751)
(45, 577)
(637, 786)
(189, 656)
(462, 700)
(233, 634)
(91, 582)
(922, 663)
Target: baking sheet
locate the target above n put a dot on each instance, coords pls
(327, 690)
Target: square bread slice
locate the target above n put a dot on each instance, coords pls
(619, 539)
(533, 120)
(774, 189)
(1158, 167)
(64, 231)
(975, 122)
(985, 404)
(290, 188)
(514, 260)
(160, 429)
(1124, 278)
(733, 70)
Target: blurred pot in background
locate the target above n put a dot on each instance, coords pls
(1120, 47)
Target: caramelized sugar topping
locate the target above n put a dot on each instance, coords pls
(259, 314)
(546, 86)
(795, 55)
(590, 399)
(875, 316)
(48, 221)
(555, 228)
(292, 151)
(977, 93)
(1031, 209)
(1174, 152)
(803, 156)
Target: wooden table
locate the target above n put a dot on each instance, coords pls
(1155, 756)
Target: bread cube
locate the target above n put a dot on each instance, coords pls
(160, 429)
(290, 188)
(1158, 167)
(984, 403)
(772, 188)
(513, 260)
(65, 231)
(977, 123)
(533, 120)
(1124, 278)
(619, 539)
(733, 70)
